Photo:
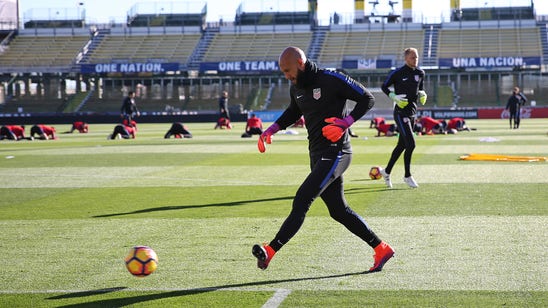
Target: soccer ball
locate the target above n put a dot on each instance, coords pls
(141, 261)
(375, 173)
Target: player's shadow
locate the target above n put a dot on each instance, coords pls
(87, 293)
(365, 190)
(132, 300)
(186, 207)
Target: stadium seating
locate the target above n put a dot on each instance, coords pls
(489, 42)
(42, 52)
(139, 48)
(54, 51)
(339, 45)
(253, 46)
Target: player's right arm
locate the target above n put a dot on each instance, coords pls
(288, 117)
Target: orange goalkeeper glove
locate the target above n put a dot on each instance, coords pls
(266, 136)
(335, 130)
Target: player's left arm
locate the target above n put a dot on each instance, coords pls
(357, 92)
(523, 98)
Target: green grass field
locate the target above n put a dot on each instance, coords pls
(474, 234)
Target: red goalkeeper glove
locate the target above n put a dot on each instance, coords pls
(335, 130)
(266, 136)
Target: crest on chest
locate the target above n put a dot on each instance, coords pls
(317, 93)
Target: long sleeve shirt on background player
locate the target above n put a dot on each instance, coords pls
(408, 81)
(128, 106)
(428, 123)
(18, 131)
(321, 94)
(254, 123)
(454, 123)
(48, 130)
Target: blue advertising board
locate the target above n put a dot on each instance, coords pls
(146, 67)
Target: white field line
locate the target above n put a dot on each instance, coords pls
(277, 298)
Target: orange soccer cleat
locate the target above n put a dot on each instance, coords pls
(263, 254)
(383, 253)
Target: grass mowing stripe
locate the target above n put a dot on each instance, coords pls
(362, 298)
(432, 253)
(269, 201)
(185, 176)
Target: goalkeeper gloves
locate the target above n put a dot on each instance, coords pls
(334, 131)
(399, 99)
(266, 136)
(422, 97)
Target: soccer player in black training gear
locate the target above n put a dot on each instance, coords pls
(320, 96)
(408, 90)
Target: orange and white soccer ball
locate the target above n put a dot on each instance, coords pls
(375, 173)
(141, 261)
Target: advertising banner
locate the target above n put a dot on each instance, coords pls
(488, 62)
(240, 66)
(148, 67)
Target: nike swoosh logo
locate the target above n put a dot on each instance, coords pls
(404, 79)
(326, 158)
(299, 96)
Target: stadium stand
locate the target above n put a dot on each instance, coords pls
(42, 53)
(499, 13)
(56, 53)
(168, 20)
(253, 46)
(141, 48)
(369, 43)
(273, 18)
(491, 40)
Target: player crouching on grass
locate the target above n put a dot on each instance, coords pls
(123, 131)
(253, 126)
(178, 130)
(44, 132)
(13, 132)
(386, 129)
(431, 126)
(81, 127)
(320, 96)
(455, 125)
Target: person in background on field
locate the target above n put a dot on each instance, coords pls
(44, 132)
(223, 123)
(178, 130)
(13, 132)
(376, 121)
(386, 129)
(456, 125)
(299, 123)
(223, 106)
(515, 101)
(132, 123)
(129, 108)
(408, 83)
(320, 96)
(81, 127)
(123, 131)
(431, 126)
(254, 126)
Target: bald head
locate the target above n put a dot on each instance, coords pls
(292, 60)
(292, 54)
